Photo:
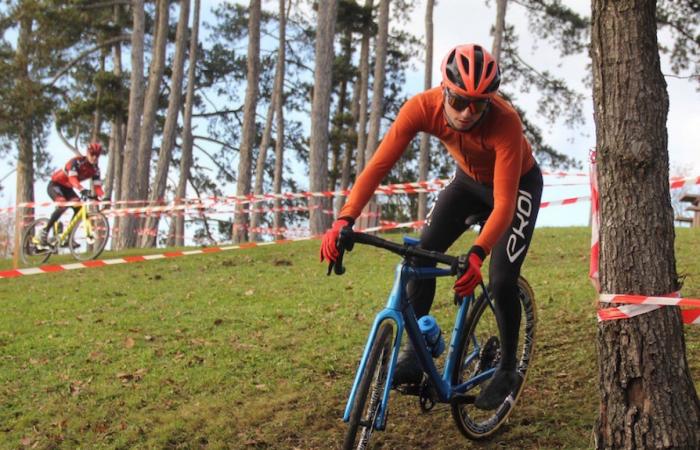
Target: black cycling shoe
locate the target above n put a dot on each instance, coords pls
(408, 369)
(503, 383)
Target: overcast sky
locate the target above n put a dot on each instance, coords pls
(460, 21)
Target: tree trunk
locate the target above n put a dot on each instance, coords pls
(150, 104)
(350, 144)
(133, 128)
(340, 132)
(240, 232)
(424, 156)
(264, 145)
(377, 109)
(499, 28)
(116, 149)
(320, 109)
(278, 95)
(186, 158)
(167, 143)
(97, 117)
(647, 396)
(364, 86)
(25, 154)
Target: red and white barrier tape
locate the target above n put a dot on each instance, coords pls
(633, 305)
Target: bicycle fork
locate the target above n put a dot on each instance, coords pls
(387, 314)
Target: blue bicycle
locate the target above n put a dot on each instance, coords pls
(473, 355)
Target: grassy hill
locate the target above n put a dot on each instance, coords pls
(257, 348)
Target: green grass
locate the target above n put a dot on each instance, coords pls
(257, 348)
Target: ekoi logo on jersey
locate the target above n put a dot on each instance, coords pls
(522, 214)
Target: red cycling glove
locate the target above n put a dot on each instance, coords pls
(466, 284)
(329, 251)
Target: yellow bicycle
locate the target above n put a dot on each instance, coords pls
(85, 236)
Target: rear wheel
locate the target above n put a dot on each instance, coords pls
(480, 351)
(87, 242)
(370, 390)
(29, 253)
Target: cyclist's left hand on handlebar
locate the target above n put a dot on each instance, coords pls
(466, 284)
(329, 248)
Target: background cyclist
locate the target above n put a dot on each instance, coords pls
(496, 173)
(66, 180)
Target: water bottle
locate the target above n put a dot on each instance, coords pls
(432, 334)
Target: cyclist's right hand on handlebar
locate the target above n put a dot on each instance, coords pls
(329, 248)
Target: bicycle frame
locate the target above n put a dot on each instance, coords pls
(400, 310)
(80, 215)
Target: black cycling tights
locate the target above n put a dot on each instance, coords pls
(464, 197)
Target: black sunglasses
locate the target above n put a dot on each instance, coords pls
(459, 103)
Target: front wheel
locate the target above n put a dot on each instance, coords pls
(370, 391)
(29, 253)
(88, 239)
(480, 351)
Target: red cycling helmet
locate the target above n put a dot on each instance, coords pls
(94, 149)
(469, 70)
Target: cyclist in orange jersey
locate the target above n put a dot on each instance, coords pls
(496, 174)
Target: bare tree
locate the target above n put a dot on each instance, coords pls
(377, 109)
(499, 28)
(116, 141)
(648, 399)
(320, 110)
(169, 129)
(186, 158)
(364, 86)
(133, 128)
(150, 107)
(240, 232)
(25, 159)
(424, 156)
(267, 136)
(278, 101)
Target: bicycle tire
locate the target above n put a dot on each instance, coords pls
(372, 385)
(83, 246)
(473, 423)
(29, 254)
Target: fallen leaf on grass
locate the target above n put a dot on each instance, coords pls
(126, 377)
(25, 441)
(129, 342)
(281, 262)
(218, 321)
(249, 292)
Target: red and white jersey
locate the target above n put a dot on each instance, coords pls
(76, 170)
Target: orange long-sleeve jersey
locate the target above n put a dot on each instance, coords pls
(495, 152)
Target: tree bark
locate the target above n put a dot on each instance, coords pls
(168, 141)
(97, 117)
(377, 109)
(240, 232)
(278, 222)
(364, 86)
(265, 144)
(424, 155)
(647, 396)
(150, 106)
(320, 109)
(499, 28)
(186, 158)
(25, 157)
(133, 128)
